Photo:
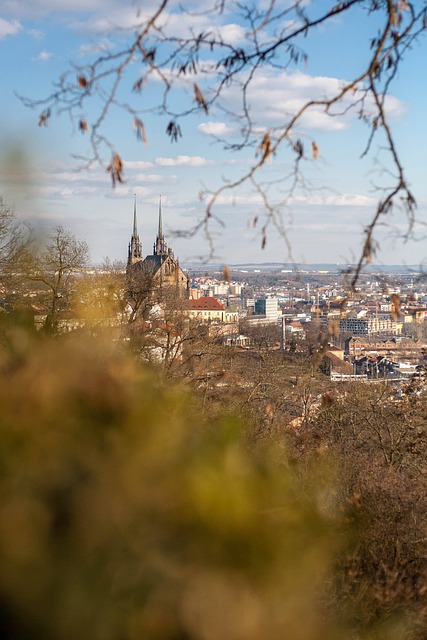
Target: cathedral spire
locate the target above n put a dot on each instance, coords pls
(160, 248)
(135, 231)
(135, 246)
(160, 232)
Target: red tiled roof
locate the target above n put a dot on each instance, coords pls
(205, 303)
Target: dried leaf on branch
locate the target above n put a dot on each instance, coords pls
(137, 86)
(173, 130)
(299, 148)
(115, 169)
(265, 148)
(44, 118)
(138, 125)
(315, 150)
(82, 82)
(396, 306)
(83, 125)
(200, 98)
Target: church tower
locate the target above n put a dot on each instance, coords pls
(161, 268)
(160, 247)
(135, 246)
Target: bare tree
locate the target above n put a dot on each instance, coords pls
(55, 267)
(141, 292)
(211, 67)
(15, 239)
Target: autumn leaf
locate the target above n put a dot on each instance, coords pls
(82, 82)
(315, 150)
(200, 98)
(83, 125)
(115, 169)
(138, 85)
(138, 125)
(264, 148)
(299, 148)
(368, 251)
(396, 306)
(44, 118)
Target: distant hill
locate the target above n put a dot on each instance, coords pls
(315, 267)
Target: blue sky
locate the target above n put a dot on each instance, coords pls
(47, 186)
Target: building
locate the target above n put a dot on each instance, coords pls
(395, 348)
(366, 326)
(208, 309)
(157, 272)
(267, 307)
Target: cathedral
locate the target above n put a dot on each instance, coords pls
(160, 268)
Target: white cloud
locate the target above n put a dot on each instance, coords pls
(123, 191)
(275, 97)
(86, 176)
(183, 161)
(155, 179)
(317, 119)
(336, 200)
(37, 34)
(61, 192)
(339, 200)
(137, 164)
(9, 28)
(232, 33)
(35, 8)
(107, 22)
(214, 128)
(43, 56)
(172, 21)
(236, 200)
(95, 47)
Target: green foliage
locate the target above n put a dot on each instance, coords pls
(125, 513)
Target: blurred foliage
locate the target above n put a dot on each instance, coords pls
(127, 513)
(134, 505)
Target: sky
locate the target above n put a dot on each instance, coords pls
(43, 176)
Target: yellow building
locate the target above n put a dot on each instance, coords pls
(208, 309)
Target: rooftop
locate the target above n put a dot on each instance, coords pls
(204, 303)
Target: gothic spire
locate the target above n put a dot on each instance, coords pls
(160, 232)
(135, 246)
(135, 231)
(160, 248)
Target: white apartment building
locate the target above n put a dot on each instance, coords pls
(368, 326)
(267, 307)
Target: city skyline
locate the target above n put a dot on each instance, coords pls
(324, 222)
